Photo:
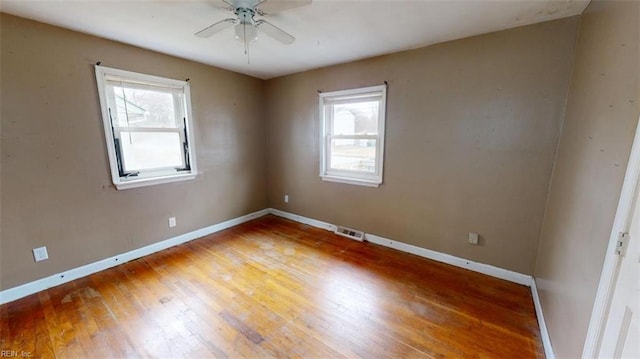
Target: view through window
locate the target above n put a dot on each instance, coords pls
(353, 135)
(147, 127)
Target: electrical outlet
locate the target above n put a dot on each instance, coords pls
(473, 238)
(286, 198)
(172, 222)
(40, 254)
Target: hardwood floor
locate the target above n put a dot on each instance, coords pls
(276, 288)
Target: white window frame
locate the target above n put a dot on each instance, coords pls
(183, 112)
(349, 176)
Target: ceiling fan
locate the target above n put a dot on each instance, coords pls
(247, 27)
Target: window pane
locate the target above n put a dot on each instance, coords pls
(144, 108)
(354, 155)
(151, 150)
(356, 118)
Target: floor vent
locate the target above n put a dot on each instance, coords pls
(350, 233)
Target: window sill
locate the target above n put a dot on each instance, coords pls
(120, 185)
(354, 181)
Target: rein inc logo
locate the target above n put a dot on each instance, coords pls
(15, 354)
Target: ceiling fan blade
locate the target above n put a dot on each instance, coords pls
(212, 29)
(274, 6)
(228, 3)
(275, 32)
(222, 4)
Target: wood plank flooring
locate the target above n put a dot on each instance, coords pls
(276, 288)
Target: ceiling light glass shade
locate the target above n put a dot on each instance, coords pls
(246, 32)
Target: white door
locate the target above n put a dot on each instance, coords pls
(621, 336)
(613, 330)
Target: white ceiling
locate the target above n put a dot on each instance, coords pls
(327, 31)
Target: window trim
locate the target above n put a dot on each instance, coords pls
(145, 80)
(346, 176)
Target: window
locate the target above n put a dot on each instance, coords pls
(147, 123)
(352, 135)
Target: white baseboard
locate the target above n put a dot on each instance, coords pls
(490, 270)
(544, 333)
(419, 251)
(302, 219)
(11, 294)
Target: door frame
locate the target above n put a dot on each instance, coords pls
(611, 267)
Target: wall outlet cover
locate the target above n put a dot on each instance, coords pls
(473, 238)
(40, 254)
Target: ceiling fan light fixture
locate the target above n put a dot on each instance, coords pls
(246, 32)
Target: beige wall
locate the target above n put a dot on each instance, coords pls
(602, 112)
(56, 185)
(472, 129)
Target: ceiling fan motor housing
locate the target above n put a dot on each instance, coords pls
(245, 15)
